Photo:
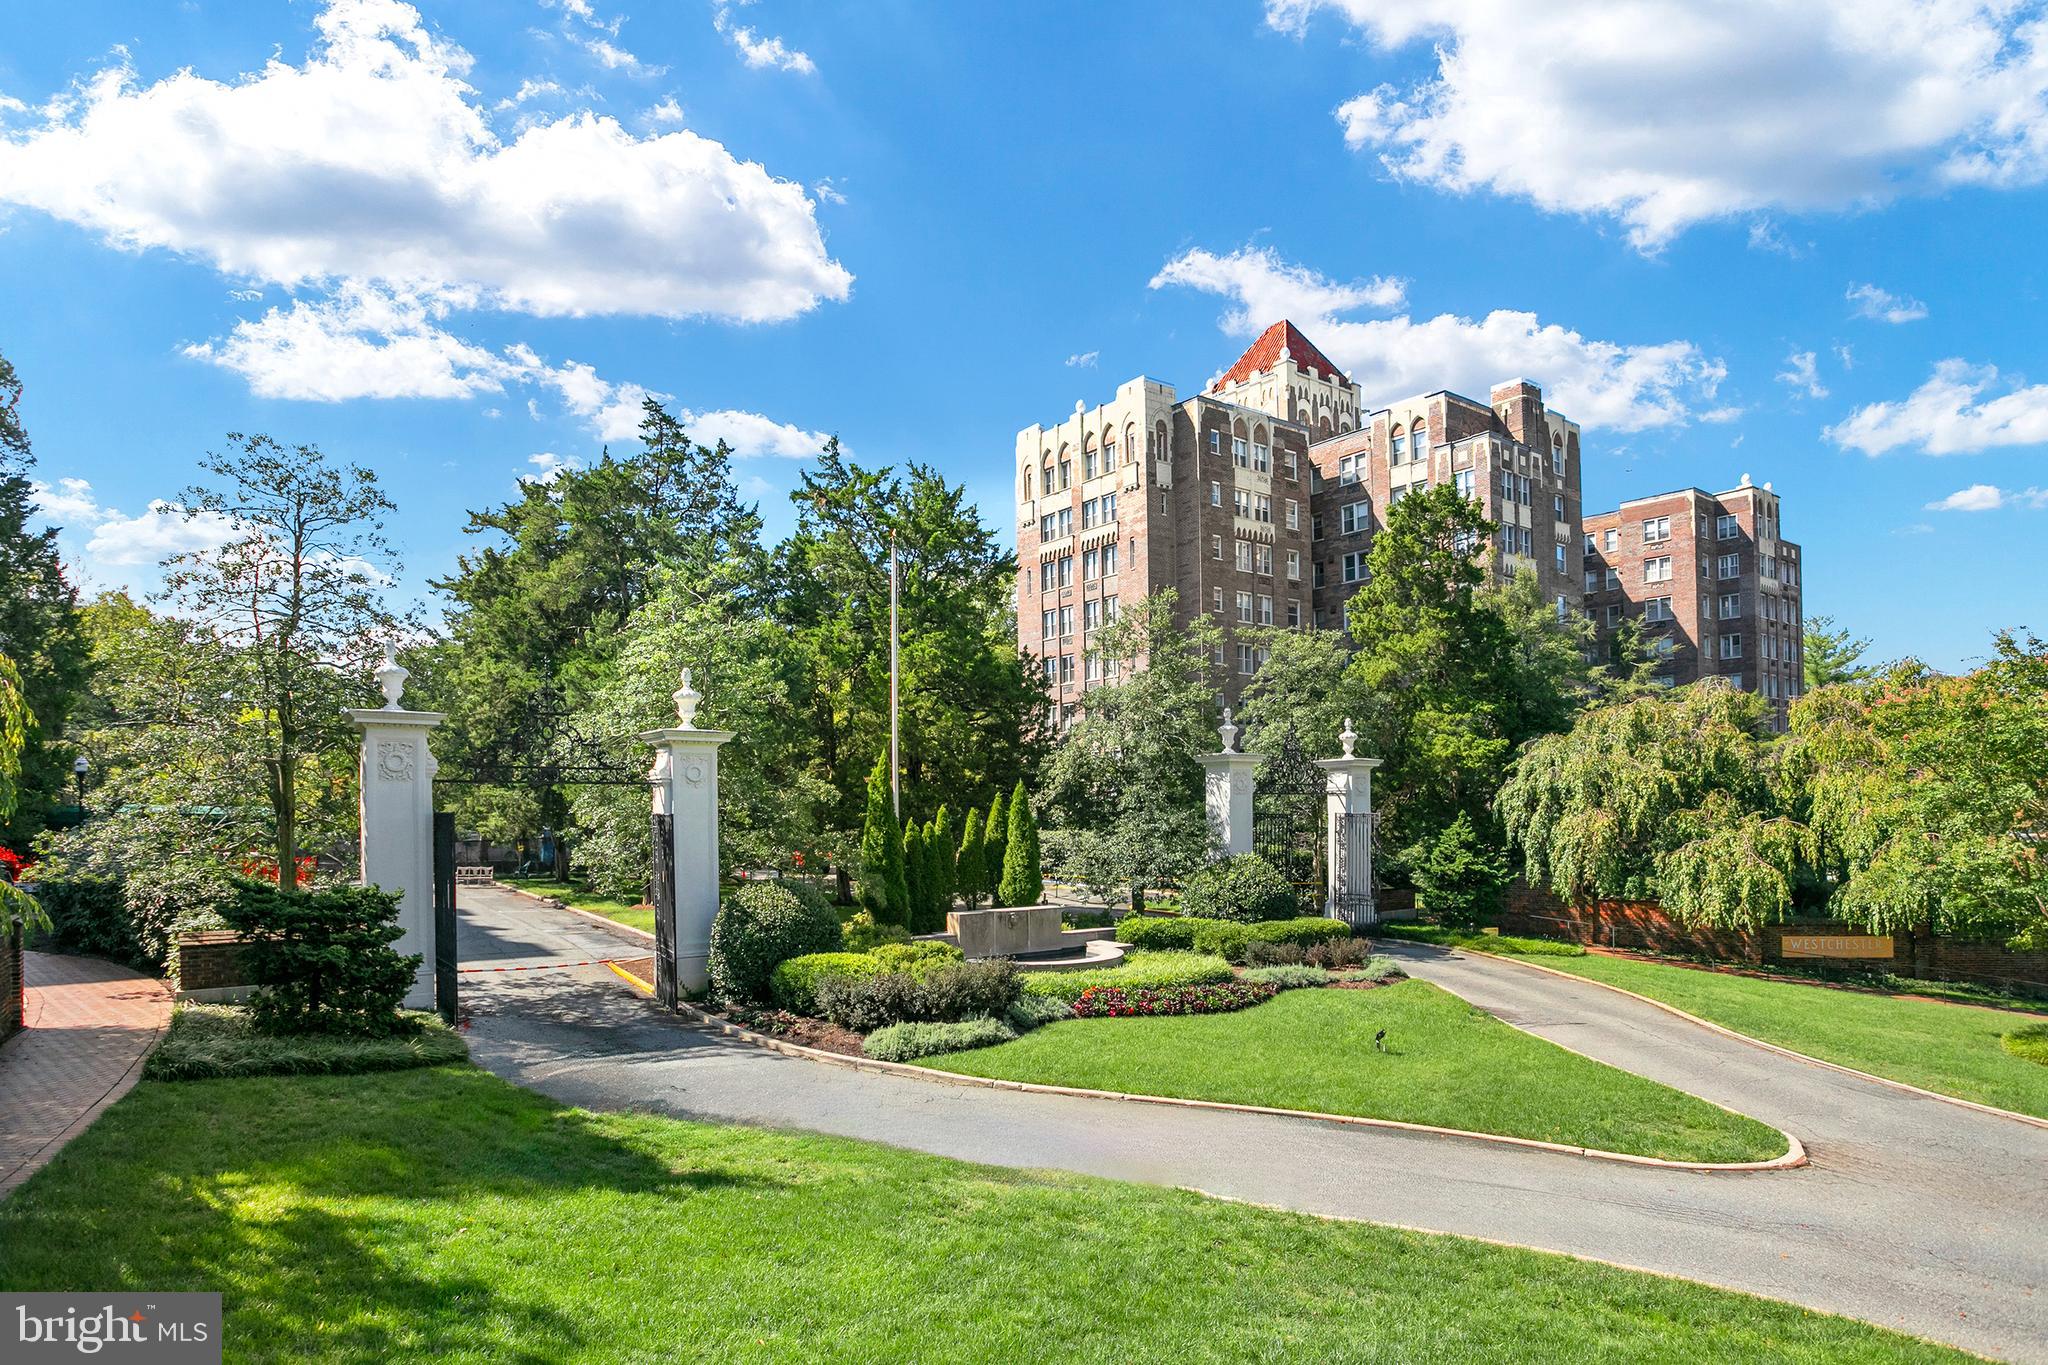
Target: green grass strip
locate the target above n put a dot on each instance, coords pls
(1447, 1064)
(445, 1215)
(207, 1041)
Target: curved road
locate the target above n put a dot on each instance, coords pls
(1914, 1214)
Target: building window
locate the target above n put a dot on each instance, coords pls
(1244, 607)
(1608, 539)
(1066, 622)
(1354, 567)
(1657, 609)
(1215, 443)
(1613, 579)
(1315, 528)
(1731, 605)
(1294, 613)
(1293, 515)
(1046, 624)
(1066, 568)
(1109, 454)
(1265, 610)
(1219, 604)
(1726, 527)
(1349, 469)
(1318, 575)
(1293, 465)
(1557, 507)
(1241, 502)
(1354, 516)
(1589, 543)
(1215, 493)
(1089, 462)
(1241, 451)
(1592, 580)
(1215, 547)
(1397, 448)
(1657, 570)
(1463, 480)
(1562, 567)
(1294, 566)
(1266, 560)
(1613, 616)
(1244, 556)
(1109, 560)
(1557, 458)
(1656, 529)
(1262, 508)
(1091, 566)
(1731, 566)
(1262, 457)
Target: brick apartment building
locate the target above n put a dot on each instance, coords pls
(1713, 581)
(1151, 491)
(1258, 499)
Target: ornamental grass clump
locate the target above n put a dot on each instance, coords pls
(1114, 1002)
(1286, 976)
(909, 1041)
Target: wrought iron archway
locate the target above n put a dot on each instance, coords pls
(1288, 813)
(547, 745)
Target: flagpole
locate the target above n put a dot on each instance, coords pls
(895, 768)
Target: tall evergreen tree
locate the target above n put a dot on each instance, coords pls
(39, 627)
(994, 835)
(915, 870)
(883, 892)
(943, 845)
(968, 869)
(1023, 879)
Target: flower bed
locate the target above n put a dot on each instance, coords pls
(1116, 1002)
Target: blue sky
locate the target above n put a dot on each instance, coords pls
(455, 242)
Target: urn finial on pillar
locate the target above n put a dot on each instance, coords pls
(687, 699)
(391, 676)
(1347, 738)
(1229, 732)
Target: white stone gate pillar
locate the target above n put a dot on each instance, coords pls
(1348, 788)
(396, 779)
(1227, 793)
(685, 777)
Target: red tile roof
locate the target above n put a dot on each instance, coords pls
(1264, 354)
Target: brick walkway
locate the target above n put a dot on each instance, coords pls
(90, 1024)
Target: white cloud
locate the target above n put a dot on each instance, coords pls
(69, 502)
(1803, 375)
(549, 466)
(1598, 383)
(1883, 305)
(373, 162)
(761, 52)
(364, 343)
(615, 58)
(749, 434)
(1945, 416)
(1846, 356)
(668, 111)
(162, 531)
(1083, 360)
(529, 90)
(828, 192)
(1666, 113)
(1978, 497)
(612, 411)
(1717, 416)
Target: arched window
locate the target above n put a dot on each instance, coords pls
(1397, 445)
(1090, 459)
(1045, 476)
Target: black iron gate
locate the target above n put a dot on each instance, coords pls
(662, 891)
(1288, 806)
(444, 914)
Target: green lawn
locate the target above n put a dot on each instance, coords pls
(1449, 1065)
(443, 1214)
(1954, 1049)
(619, 912)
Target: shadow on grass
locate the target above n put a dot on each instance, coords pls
(340, 1221)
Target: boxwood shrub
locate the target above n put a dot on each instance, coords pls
(961, 991)
(1228, 938)
(909, 1041)
(758, 926)
(917, 957)
(1246, 889)
(794, 982)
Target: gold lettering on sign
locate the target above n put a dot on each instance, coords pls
(1836, 945)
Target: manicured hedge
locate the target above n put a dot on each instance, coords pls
(794, 983)
(1115, 1002)
(758, 926)
(909, 1041)
(1139, 972)
(962, 990)
(917, 958)
(1227, 938)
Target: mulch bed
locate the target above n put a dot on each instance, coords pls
(796, 1028)
(642, 967)
(1362, 985)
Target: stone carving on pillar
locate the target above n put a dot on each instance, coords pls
(685, 778)
(1348, 787)
(396, 794)
(1227, 793)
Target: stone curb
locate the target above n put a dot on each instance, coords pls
(1795, 1152)
(1727, 1032)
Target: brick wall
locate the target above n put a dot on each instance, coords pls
(210, 960)
(10, 983)
(1644, 926)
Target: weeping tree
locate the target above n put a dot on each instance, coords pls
(1677, 798)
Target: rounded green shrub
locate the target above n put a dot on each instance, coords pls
(759, 926)
(1155, 931)
(1246, 889)
(863, 935)
(1305, 932)
(794, 982)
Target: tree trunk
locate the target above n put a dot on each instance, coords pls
(287, 821)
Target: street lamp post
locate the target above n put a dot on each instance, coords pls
(79, 768)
